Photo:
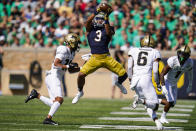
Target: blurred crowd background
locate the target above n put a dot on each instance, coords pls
(43, 23)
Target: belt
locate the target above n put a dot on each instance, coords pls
(101, 55)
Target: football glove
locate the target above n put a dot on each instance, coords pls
(164, 91)
(97, 10)
(159, 88)
(86, 56)
(73, 65)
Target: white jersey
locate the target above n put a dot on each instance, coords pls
(176, 69)
(143, 60)
(65, 55)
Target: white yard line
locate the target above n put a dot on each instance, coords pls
(145, 113)
(129, 127)
(139, 119)
(172, 109)
(30, 124)
(176, 106)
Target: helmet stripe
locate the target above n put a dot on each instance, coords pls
(149, 41)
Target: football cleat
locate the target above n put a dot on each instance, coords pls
(164, 120)
(33, 95)
(121, 87)
(77, 97)
(135, 102)
(50, 122)
(159, 125)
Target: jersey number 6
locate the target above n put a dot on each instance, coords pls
(142, 59)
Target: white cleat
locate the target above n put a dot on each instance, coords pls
(121, 87)
(77, 97)
(135, 102)
(164, 120)
(159, 125)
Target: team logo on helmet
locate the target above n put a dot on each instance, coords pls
(147, 41)
(73, 40)
(183, 53)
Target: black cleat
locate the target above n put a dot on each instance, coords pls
(33, 95)
(50, 122)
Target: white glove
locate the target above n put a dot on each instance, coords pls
(164, 90)
(86, 56)
(132, 88)
(159, 88)
(189, 88)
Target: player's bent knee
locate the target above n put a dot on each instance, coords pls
(59, 99)
(81, 74)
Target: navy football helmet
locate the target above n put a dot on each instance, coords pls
(99, 20)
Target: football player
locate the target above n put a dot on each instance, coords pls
(141, 61)
(176, 66)
(63, 60)
(99, 34)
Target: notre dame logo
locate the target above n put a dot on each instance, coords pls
(35, 74)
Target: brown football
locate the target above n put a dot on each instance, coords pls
(105, 8)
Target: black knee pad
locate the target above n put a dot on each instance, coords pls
(156, 107)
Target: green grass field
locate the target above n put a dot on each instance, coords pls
(16, 115)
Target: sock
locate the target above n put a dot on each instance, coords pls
(46, 100)
(121, 79)
(151, 113)
(164, 114)
(54, 108)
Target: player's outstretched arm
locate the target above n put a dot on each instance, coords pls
(89, 22)
(57, 62)
(163, 73)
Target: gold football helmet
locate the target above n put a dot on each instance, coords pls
(183, 53)
(147, 41)
(73, 40)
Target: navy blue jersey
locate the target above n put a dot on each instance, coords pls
(98, 40)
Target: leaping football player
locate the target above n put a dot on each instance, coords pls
(141, 61)
(63, 61)
(176, 66)
(99, 34)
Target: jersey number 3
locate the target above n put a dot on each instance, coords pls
(98, 38)
(142, 58)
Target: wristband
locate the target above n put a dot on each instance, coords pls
(67, 66)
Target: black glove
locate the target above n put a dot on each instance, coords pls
(73, 65)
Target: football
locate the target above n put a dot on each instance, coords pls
(105, 8)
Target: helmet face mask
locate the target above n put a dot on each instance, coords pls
(147, 41)
(183, 54)
(98, 20)
(73, 41)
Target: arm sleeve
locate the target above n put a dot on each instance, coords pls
(156, 72)
(130, 67)
(60, 53)
(170, 62)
